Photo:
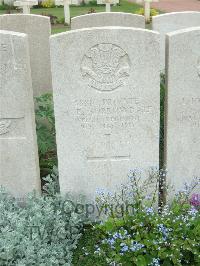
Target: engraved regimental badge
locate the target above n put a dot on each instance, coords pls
(106, 67)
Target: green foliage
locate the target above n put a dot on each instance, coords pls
(48, 3)
(45, 123)
(162, 117)
(91, 10)
(86, 243)
(6, 7)
(61, 20)
(153, 12)
(142, 236)
(53, 19)
(41, 231)
(93, 3)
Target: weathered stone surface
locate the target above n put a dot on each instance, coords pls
(38, 29)
(183, 108)
(19, 168)
(106, 95)
(108, 19)
(171, 22)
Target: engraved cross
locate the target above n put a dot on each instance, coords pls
(108, 156)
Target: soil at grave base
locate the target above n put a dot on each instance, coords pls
(175, 5)
(59, 26)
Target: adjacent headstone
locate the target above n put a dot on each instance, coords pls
(38, 29)
(26, 5)
(108, 3)
(171, 22)
(19, 167)
(105, 19)
(183, 106)
(106, 100)
(147, 8)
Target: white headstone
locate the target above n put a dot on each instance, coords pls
(38, 29)
(26, 5)
(183, 106)
(104, 19)
(147, 8)
(19, 167)
(171, 22)
(107, 113)
(108, 3)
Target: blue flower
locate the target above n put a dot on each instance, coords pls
(149, 211)
(135, 246)
(192, 211)
(163, 230)
(117, 235)
(111, 241)
(124, 248)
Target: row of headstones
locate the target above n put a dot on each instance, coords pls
(38, 29)
(107, 103)
(27, 4)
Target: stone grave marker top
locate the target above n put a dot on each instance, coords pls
(166, 23)
(104, 19)
(38, 29)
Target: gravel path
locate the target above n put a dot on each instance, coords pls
(176, 5)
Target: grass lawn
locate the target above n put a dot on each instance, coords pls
(124, 6)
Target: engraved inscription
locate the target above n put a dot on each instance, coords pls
(196, 147)
(106, 67)
(190, 111)
(198, 66)
(3, 47)
(107, 113)
(4, 126)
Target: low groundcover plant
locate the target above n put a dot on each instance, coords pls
(143, 235)
(131, 230)
(41, 230)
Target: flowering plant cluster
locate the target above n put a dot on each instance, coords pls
(146, 235)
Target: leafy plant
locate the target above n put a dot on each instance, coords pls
(7, 7)
(45, 124)
(153, 12)
(162, 117)
(61, 20)
(44, 230)
(91, 10)
(141, 235)
(93, 3)
(48, 4)
(53, 19)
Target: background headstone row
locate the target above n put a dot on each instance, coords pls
(106, 98)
